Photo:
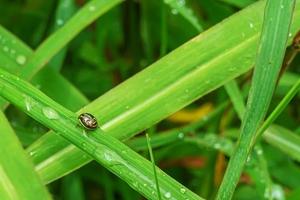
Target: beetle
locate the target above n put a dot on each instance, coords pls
(88, 121)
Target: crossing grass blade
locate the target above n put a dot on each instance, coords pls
(236, 97)
(284, 139)
(153, 164)
(279, 108)
(277, 19)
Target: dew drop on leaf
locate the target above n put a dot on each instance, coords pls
(21, 59)
(168, 195)
(182, 190)
(50, 113)
(59, 22)
(92, 8)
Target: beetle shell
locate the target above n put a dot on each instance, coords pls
(88, 121)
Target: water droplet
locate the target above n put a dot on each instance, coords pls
(38, 86)
(5, 49)
(217, 145)
(181, 3)
(145, 185)
(21, 59)
(277, 192)
(108, 156)
(174, 11)
(28, 106)
(251, 25)
(59, 22)
(182, 190)
(274, 192)
(29, 103)
(92, 8)
(31, 153)
(168, 195)
(259, 151)
(231, 69)
(207, 82)
(282, 6)
(50, 113)
(83, 145)
(180, 135)
(135, 184)
(248, 159)
(290, 34)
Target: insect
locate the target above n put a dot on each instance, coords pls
(88, 121)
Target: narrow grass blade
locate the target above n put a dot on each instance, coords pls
(105, 149)
(18, 179)
(236, 97)
(64, 11)
(278, 15)
(136, 104)
(279, 108)
(283, 139)
(258, 169)
(175, 135)
(91, 11)
(154, 167)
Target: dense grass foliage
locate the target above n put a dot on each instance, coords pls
(177, 71)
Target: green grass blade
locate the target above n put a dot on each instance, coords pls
(136, 104)
(14, 53)
(10, 62)
(108, 151)
(239, 3)
(175, 135)
(91, 11)
(279, 108)
(283, 139)
(236, 97)
(18, 179)
(72, 188)
(259, 173)
(278, 15)
(154, 167)
(64, 11)
(179, 6)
